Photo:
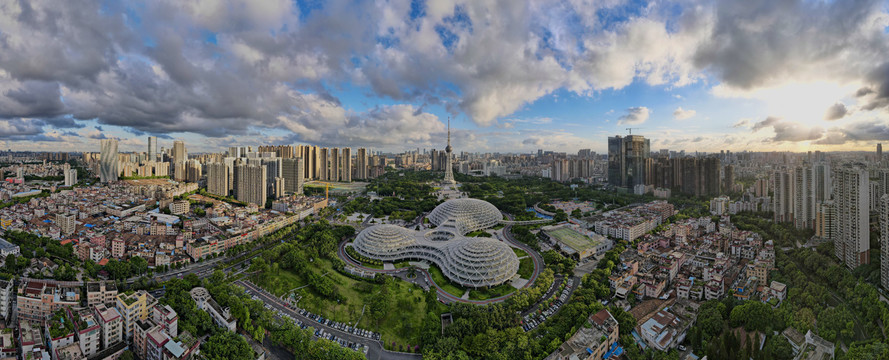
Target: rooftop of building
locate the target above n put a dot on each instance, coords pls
(29, 332)
(107, 314)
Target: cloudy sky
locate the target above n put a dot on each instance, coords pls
(512, 75)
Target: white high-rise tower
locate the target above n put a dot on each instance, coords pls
(449, 169)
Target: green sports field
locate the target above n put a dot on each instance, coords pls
(574, 239)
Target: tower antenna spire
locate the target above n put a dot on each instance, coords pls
(449, 131)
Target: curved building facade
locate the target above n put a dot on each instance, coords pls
(470, 262)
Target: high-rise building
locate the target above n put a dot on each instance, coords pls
(152, 148)
(273, 172)
(335, 164)
(252, 184)
(825, 220)
(884, 241)
(179, 152)
(361, 164)
(783, 199)
(761, 187)
(346, 159)
(852, 236)
(217, 179)
(626, 160)
(293, 175)
(193, 171)
(728, 180)
(879, 152)
(803, 197)
(108, 163)
(70, 177)
(323, 165)
(821, 180)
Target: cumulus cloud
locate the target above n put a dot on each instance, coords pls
(634, 116)
(223, 68)
(742, 123)
(789, 130)
(682, 114)
(769, 121)
(535, 141)
(836, 111)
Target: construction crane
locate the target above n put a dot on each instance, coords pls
(630, 130)
(326, 189)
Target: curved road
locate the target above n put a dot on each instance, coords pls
(375, 347)
(535, 258)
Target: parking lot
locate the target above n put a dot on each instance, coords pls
(363, 340)
(537, 316)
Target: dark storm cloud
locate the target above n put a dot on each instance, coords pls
(836, 111)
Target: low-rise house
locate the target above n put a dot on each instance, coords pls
(597, 340)
(222, 317)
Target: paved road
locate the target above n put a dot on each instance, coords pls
(375, 348)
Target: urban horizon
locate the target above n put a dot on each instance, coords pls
(444, 179)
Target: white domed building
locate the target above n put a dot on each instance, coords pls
(470, 262)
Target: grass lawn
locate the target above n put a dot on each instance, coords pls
(519, 252)
(494, 292)
(526, 268)
(444, 283)
(479, 233)
(572, 238)
(401, 324)
(474, 294)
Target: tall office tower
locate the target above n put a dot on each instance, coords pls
(252, 184)
(728, 180)
(449, 168)
(822, 180)
(852, 236)
(323, 165)
(803, 197)
(783, 199)
(433, 160)
(347, 165)
(361, 164)
(879, 152)
(70, 177)
(66, 223)
(179, 153)
(193, 171)
(884, 241)
(335, 164)
(108, 168)
(217, 179)
(293, 175)
(626, 160)
(152, 148)
(825, 220)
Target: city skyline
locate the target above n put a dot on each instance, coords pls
(566, 75)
